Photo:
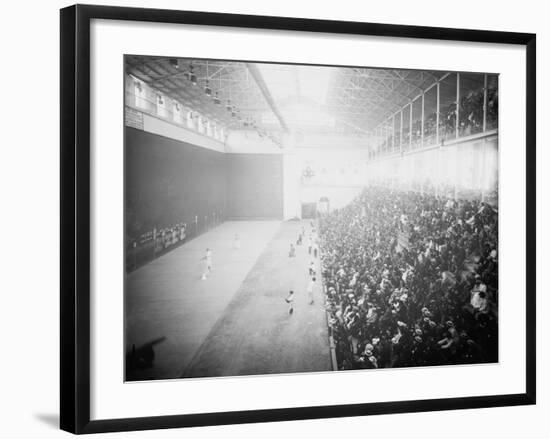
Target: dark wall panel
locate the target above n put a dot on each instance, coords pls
(167, 181)
(255, 186)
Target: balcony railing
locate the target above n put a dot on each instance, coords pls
(409, 129)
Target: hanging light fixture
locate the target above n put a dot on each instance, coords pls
(207, 89)
(228, 106)
(192, 76)
(174, 63)
(217, 99)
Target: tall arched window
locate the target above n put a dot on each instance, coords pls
(161, 106)
(176, 112)
(190, 121)
(139, 94)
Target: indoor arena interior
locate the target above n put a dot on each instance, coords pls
(284, 218)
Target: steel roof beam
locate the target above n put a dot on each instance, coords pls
(256, 74)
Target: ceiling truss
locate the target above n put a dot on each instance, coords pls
(359, 99)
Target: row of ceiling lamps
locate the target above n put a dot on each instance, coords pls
(247, 121)
(232, 109)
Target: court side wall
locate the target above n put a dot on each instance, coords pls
(255, 186)
(169, 181)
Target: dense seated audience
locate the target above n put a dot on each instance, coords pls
(411, 280)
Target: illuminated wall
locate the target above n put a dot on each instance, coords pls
(338, 173)
(465, 169)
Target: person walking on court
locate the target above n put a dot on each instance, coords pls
(310, 289)
(312, 269)
(290, 300)
(237, 242)
(207, 263)
(315, 248)
(292, 251)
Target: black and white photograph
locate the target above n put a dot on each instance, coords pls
(275, 220)
(289, 218)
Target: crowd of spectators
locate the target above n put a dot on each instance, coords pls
(470, 122)
(153, 243)
(411, 280)
(470, 114)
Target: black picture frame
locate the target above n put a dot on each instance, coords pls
(75, 217)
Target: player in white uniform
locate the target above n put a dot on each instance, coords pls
(207, 263)
(237, 242)
(310, 289)
(312, 270)
(290, 300)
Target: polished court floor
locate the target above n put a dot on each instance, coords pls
(236, 321)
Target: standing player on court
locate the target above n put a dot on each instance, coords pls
(207, 263)
(237, 242)
(310, 289)
(290, 300)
